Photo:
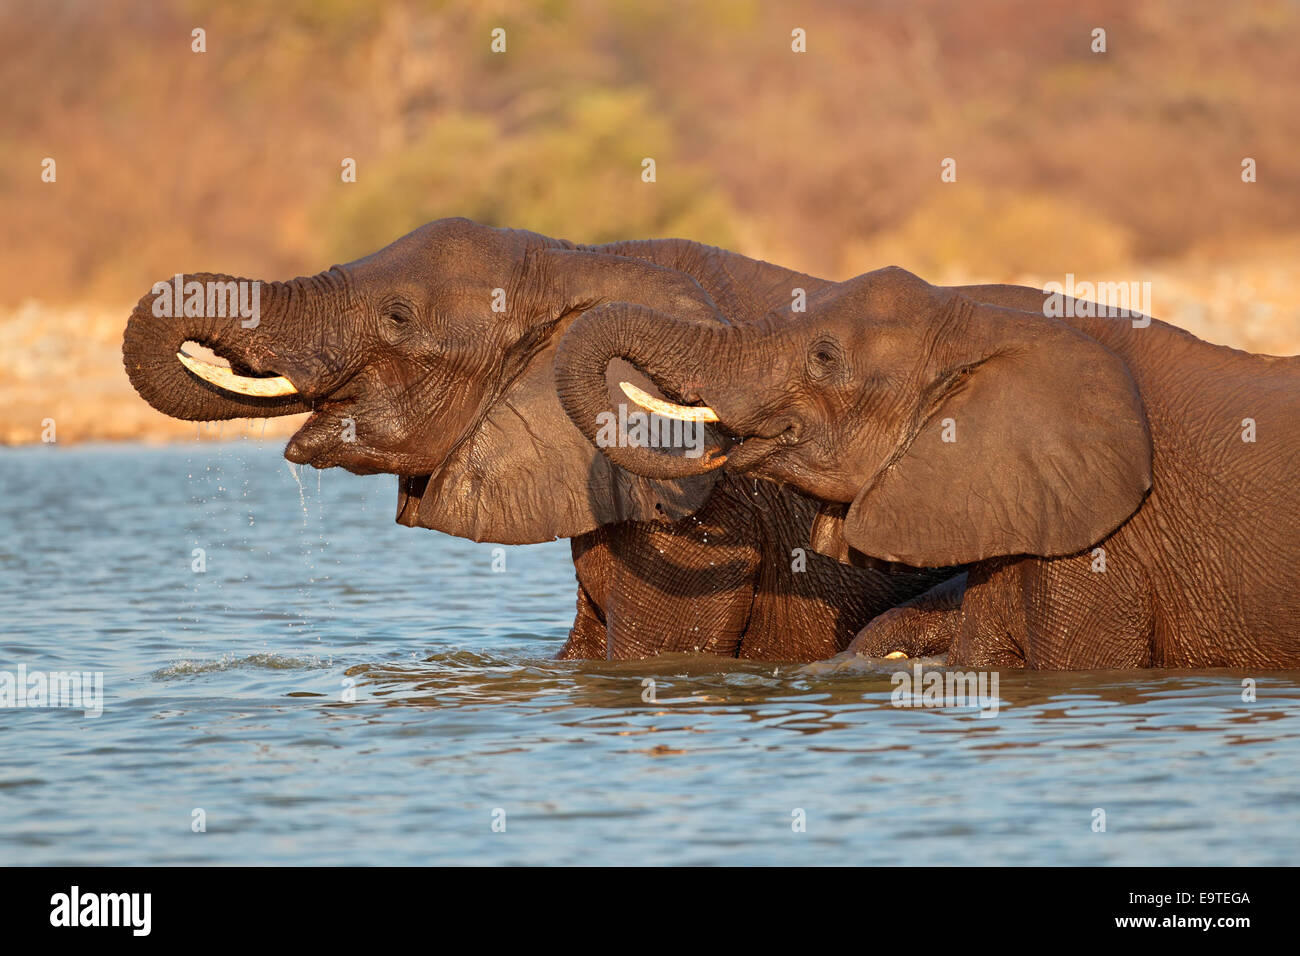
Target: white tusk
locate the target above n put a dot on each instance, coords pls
(685, 413)
(224, 378)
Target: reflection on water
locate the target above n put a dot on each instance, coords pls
(231, 691)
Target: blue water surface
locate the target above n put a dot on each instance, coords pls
(226, 691)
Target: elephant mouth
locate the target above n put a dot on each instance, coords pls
(750, 453)
(316, 442)
(411, 490)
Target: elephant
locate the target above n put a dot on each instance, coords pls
(432, 359)
(1121, 493)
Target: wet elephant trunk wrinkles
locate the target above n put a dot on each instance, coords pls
(273, 340)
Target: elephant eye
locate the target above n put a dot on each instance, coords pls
(397, 315)
(824, 358)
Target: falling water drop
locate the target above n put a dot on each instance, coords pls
(302, 498)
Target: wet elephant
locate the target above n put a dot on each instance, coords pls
(1124, 494)
(432, 359)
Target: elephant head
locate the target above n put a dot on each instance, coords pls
(955, 430)
(430, 359)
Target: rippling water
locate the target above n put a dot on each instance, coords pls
(224, 692)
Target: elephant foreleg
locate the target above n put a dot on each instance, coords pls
(924, 626)
(587, 636)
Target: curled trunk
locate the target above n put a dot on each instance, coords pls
(254, 346)
(667, 353)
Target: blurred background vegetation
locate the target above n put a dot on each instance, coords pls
(1121, 166)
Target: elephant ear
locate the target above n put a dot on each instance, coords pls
(526, 474)
(1031, 439)
(826, 536)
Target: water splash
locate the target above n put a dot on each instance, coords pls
(274, 662)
